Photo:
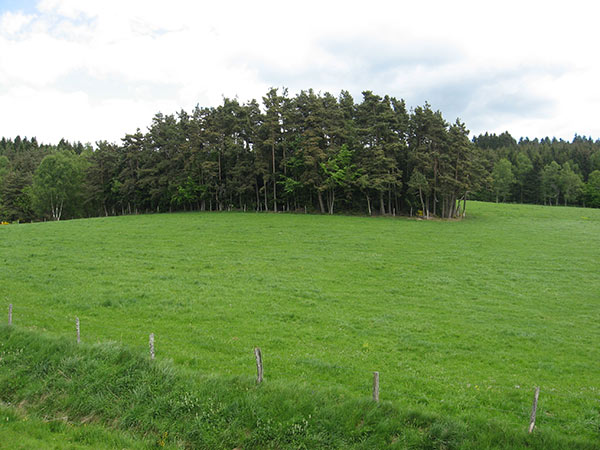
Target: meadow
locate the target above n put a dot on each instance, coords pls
(20, 431)
(461, 318)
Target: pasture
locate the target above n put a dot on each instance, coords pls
(461, 318)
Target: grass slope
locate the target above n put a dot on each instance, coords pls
(21, 431)
(69, 384)
(462, 319)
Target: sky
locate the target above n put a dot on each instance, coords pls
(90, 70)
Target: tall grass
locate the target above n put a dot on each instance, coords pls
(20, 430)
(111, 385)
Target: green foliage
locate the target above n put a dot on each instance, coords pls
(57, 185)
(4, 167)
(341, 174)
(592, 190)
(418, 184)
(15, 195)
(187, 193)
(308, 152)
(445, 157)
(502, 178)
(523, 169)
(493, 142)
(551, 182)
(571, 184)
(537, 180)
(595, 160)
(311, 152)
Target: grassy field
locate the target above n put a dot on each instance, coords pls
(22, 431)
(461, 319)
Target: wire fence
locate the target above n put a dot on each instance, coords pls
(553, 398)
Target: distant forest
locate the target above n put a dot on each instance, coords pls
(311, 152)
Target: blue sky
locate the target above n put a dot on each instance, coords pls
(97, 69)
(26, 6)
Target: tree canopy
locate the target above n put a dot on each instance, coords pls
(310, 152)
(57, 185)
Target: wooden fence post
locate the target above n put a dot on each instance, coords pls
(534, 409)
(77, 326)
(151, 345)
(259, 365)
(10, 314)
(376, 386)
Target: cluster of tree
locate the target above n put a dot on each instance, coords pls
(26, 166)
(541, 171)
(309, 152)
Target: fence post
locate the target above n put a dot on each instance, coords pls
(376, 386)
(10, 314)
(77, 326)
(259, 365)
(151, 345)
(534, 409)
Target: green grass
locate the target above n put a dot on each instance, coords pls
(19, 430)
(69, 385)
(461, 319)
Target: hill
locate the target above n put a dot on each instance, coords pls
(461, 319)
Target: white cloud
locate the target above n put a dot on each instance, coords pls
(47, 113)
(12, 23)
(528, 67)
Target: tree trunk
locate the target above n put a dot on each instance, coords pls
(274, 179)
(266, 204)
(435, 187)
(369, 204)
(257, 196)
(381, 203)
(422, 202)
(219, 157)
(320, 197)
(521, 193)
(60, 208)
(331, 201)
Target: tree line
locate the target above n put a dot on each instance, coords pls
(310, 152)
(546, 171)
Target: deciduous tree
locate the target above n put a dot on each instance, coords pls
(502, 179)
(57, 185)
